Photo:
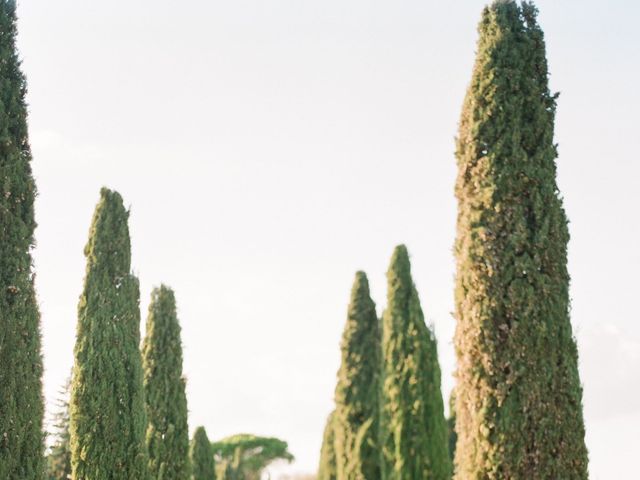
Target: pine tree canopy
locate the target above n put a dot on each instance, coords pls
(107, 409)
(201, 455)
(245, 456)
(413, 430)
(166, 401)
(21, 400)
(356, 396)
(518, 398)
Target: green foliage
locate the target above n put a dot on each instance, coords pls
(203, 466)
(451, 425)
(244, 457)
(59, 458)
(356, 396)
(327, 469)
(519, 412)
(166, 401)
(107, 414)
(21, 401)
(413, 430)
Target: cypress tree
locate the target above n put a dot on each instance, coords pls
(356, 396)
(413, 429)
(519, 412)
(107, 413)
(327, 469)
(21, 401)
(451, 425)
(59, 458)
(201, 454)
(166, 401)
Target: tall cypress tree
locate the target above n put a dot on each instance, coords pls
(519, 412)
(413, 429)
(327, 469)
(107, 413)
(356, 396)
(166, 401)
(21, 401)
(201, 454)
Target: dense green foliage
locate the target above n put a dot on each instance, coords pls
(21, 401)
(244, 457)
(451, 425)
(356, 396)
(203, 466)
(108, 421)
(327, 470)
(59, 458)
(413, 430)
(164, 387)
(519, 412)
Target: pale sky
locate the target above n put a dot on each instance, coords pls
(269, 149)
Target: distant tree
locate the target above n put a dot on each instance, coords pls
(201, 454)
(356, 396)
(59, 458)
(21, 401)
(245, 457)
(166, 401)
(327, 469)
(451, 425)
(107, 413)
(519, 397)
(413, 427)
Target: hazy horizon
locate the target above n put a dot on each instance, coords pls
(269, 150)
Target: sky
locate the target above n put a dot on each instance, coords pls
(269, 149)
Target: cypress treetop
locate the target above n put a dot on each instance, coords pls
(107, 412)
(201, 455)
(166, 401)
(356, 396)
(21, 401)
(518, 398)
(327, 469)
(413, 429)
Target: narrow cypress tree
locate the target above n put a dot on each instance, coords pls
(201, 454)
(356, 396)
(519, 412)
(21, 401)
(327, 469)
(413, 429)
(59, 458)
(107, 414)
(166, 401)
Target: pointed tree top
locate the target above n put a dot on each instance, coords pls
(400, 266)
(200, 434)
(163, 297)
(360, 285)
(109, 242)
